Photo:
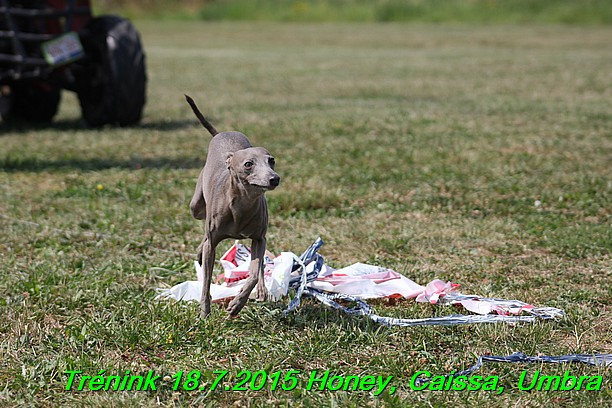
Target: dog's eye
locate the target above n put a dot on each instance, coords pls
(248, 165)
(271, 161)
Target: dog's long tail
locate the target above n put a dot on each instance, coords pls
(201, 117)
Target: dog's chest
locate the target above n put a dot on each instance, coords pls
(241, 224)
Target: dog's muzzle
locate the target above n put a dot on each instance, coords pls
(274, 181)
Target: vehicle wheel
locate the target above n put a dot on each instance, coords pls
(113, 89)
(30, 101)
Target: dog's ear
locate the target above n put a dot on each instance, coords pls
(228, 160)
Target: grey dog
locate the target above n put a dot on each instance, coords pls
(229, 197)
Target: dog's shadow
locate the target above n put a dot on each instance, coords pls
(30, 164)
(10, 163)
(19, 126)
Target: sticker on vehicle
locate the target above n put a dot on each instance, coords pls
(62, 50)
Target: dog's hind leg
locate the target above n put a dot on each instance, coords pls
(197, 206)
(258, 248)
(207, 256)
(261, 292)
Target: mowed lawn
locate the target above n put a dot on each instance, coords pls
(477, 155)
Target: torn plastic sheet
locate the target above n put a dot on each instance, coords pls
(604, 360)
(432, 293)
(309, 276)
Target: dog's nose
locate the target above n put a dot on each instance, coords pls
(275, 181)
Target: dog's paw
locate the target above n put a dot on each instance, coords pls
(204, 314)
(231, 309)
(234, 308)
(262, 294)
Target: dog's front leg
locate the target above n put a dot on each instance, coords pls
(258, 248)
(208, 260)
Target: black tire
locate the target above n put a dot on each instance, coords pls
(113, 88)
(31, 101)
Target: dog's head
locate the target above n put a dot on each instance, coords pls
(254, 167)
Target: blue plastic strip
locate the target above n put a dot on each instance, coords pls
(604, 360)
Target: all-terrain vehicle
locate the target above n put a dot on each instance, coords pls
(50, 45)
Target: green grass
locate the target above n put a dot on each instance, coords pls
(593, 12)
(417, 147)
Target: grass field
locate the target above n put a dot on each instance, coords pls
(476, 155)
(580, 12)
